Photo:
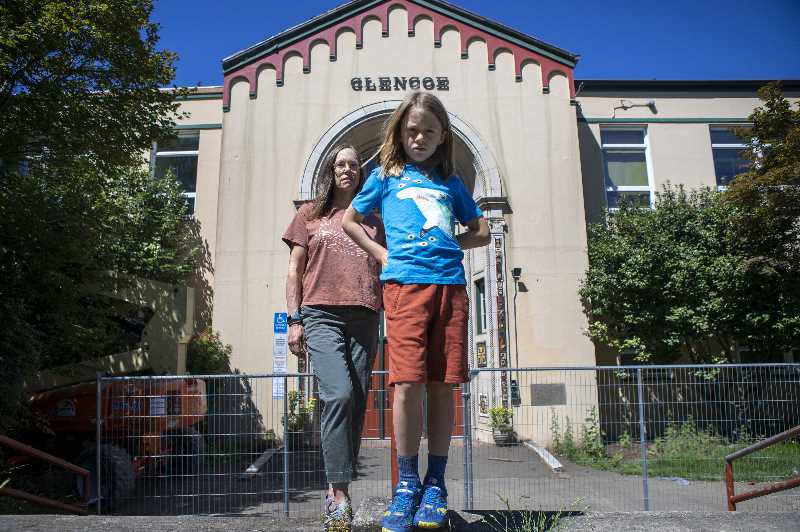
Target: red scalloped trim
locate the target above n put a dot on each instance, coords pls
(381, 12)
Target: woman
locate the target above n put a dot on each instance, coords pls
(333, 296)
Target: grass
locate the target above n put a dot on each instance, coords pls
(511, 520)
(682, 451)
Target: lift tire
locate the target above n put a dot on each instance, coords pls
(117, 477)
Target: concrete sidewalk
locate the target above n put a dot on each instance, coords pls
(595, 522)
(503, 477)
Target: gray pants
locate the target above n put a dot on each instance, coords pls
(342, 341)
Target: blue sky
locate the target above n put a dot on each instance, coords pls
(616, 39)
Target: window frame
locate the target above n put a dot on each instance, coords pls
(645, 147)
(481, 321)
(155, 154)
(723, 146)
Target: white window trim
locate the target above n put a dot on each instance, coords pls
(647, 158)
(712, 127)
(156, 154)
(176, 153)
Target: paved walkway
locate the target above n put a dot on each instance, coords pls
(504, 477)
(517, 475)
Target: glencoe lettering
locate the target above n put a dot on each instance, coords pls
(397, 83)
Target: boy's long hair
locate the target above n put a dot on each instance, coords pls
(393, 156)
(326, 182)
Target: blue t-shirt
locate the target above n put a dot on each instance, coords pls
(419, 216)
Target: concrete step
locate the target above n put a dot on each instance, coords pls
(370, 512)
(460, 521)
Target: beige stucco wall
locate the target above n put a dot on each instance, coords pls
(679, 141)
(206, 115)
(531, 135)
(679, 138)
(202, 111)
(670, 105)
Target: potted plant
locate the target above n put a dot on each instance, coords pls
(502, 430)
(298, 420)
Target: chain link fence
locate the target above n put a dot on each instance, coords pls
(597, 438)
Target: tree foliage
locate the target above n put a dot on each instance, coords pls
(81, 78)
(704, 273)
(768, 195)
(80, 104)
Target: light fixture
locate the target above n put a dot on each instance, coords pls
(516, 273)
(627, 104)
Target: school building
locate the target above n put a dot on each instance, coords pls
(542, 152)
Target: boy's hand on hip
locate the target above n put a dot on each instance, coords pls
(295, 339)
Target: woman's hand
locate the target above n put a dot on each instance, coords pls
(384, 257)
(295, 339)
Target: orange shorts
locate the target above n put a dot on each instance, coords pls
(426, 326)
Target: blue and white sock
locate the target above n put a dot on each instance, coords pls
(436, 467)
(408, 467)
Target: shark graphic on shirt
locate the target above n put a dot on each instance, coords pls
(432, 204)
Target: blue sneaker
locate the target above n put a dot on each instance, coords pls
(400, 515)
(432, 512)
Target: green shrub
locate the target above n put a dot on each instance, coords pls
(300, 412)
(207, 354)
(590, 449)
(500, 417)
(625, 441)
(592, 446)
(678, 441)
(563, 442)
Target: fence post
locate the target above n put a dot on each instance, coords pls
(286, 446)
(395, 473)
(642, 439)
(467, 411)
(98, 439)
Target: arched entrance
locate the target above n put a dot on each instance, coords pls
(484, 267)
(362, 128)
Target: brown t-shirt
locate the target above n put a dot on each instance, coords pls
(338, 272)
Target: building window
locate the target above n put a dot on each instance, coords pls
(178, 155)
(625, 164)
(728, 152)
(480, 306)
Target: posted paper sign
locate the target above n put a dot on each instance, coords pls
(279, 352)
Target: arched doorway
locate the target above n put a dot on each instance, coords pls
(362, 128)
(485, 267)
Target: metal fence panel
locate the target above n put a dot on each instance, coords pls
(225, 444)
(636, 438)
(625, 438)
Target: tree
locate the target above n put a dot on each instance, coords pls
(704, 273)
(81, 78)
(773, 145)
(80, 103)
(658, 279)
(767, 218)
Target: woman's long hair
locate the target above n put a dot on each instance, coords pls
(326, 182)
(392, 155)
